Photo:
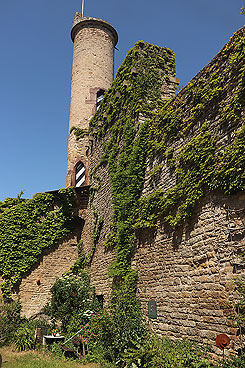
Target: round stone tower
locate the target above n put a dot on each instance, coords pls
(92, 74)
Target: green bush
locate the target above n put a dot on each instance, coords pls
(73, 301)
(10, 320)
(165, 353)
(24, 338)
(55, 349)
(111, 332)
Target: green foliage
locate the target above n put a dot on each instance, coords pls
(82, 260)
(202, 164)
(27, 227)
(111, 332)
(230, 163)
(193, 173)
(136, 89)
(98, 224)
(157, 352)
(10, 320)
(24, 338)
(73, 301)
(55, 349)
(234, 362)
(217, 88)
(99, 333)
(79, 133)
(10, 202)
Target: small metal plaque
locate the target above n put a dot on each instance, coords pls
(152, 309)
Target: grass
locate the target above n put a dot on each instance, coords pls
(36, 359)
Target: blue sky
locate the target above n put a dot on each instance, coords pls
(35, 70)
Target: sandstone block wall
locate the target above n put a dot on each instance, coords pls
(102, 203)
(53, 264)
(99, 176)
(190, 273)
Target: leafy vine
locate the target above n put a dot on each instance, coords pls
(27, 227)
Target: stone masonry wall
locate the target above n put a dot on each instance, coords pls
(53, 264)
(102, 203)
(189, 272)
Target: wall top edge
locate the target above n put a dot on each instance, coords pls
(80, 22)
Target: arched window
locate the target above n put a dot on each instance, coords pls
(80, 174)
(99, 97)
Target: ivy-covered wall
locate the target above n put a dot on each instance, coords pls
(162, 174)
(118, 157)
(30, 227)
(198, 139)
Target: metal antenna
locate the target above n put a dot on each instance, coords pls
(82, 8)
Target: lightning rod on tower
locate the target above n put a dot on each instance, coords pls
(82, 8)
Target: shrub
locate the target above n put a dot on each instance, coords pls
(157, 352)
(24, 338)
(73, 301)
(111, 332)
(55, 349)
(10, 320)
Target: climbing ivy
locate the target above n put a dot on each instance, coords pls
(121, 125)
(199, 168)
(29, 226)
(78, 132)
(136, 91)
(219, 90)
(202, 164)
(136, 88)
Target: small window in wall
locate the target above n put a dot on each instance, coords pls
(80, 174)
(152, 309)
(99, 98)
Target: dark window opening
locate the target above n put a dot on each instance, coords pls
(80, 174)
(100, 299)
(99, 97)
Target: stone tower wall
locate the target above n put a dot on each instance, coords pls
(92, 70)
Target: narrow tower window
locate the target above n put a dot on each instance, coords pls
(80, 174)
(99, 97)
